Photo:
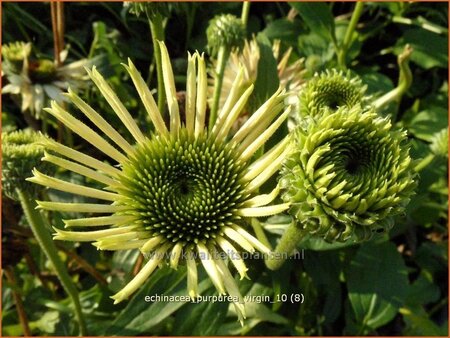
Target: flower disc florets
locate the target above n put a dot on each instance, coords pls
(350, 173)
(183, 188)
(328, 91)
(225, 31)
(14, 55)
(177, 194)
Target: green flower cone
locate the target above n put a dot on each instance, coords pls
(349, 174)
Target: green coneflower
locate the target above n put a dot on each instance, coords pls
(328, 91)
(39, 81)
(14, 55)
(181, 194)
(349, 174)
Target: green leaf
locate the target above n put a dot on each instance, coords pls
(267, 81)
(377, 282)
(429, 49)
(200, 319)
(418, 324)
(317, 16)
(139, 316)
(283, 29)
(428, 122)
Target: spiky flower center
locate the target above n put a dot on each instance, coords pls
(183, 188)
(42, 71)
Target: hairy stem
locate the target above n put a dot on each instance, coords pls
(245, 11)
(285, 247)
(38, 226)
(222, 58)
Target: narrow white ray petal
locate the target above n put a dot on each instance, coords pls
(236, 237)
(271, 169)
(255, 242)
(85, 132)
(80, 207)
(89, 236)
(210, 267)
(99, 221)
(147, 98)
(234, 256)
(234, 114)
(171, 93)
(73, 188)
(202, 88)
(141, 277)
(80, 157)
(151, 244)
(262, 125)
(232, 289)
(263, 211)
(78, 168)
(259, 165)
(120, 246)
(175, 255)
(261, 113)
(100, 122)
(121, 238)
(191, 93)
(231, 99)
(263, 199)
(192, 278)
(116, 104)
(262, 138)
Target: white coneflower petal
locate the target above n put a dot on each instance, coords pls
(151, 244)
(257, 244)
(209, 264)
(175, 255)
(85, 132)
(232, 289)
(80, 157)
(147, 98)
(120, 238)
(171, 93)
(116, 105)
(202, 85)
(260, 164)
(271, 169)
(73, 188)
(192, 278)
(263, 211)
(142, 276)
(262, 138)
(79, 207)
(100, 122)
(224, 129)
(257, 116)
(132, 244)
(78, 168)
(88, 236)
(236, 237)
(191, 93)
(234, 256)
(232, 97)
(264, 199)
(98, 221)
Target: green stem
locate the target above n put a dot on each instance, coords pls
(38, 226)
(157, 30)
(285, 247)
(222, 58)
(349, 34)
(404, 82)
(245, 11)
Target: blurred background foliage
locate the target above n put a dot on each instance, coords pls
(396, 284)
